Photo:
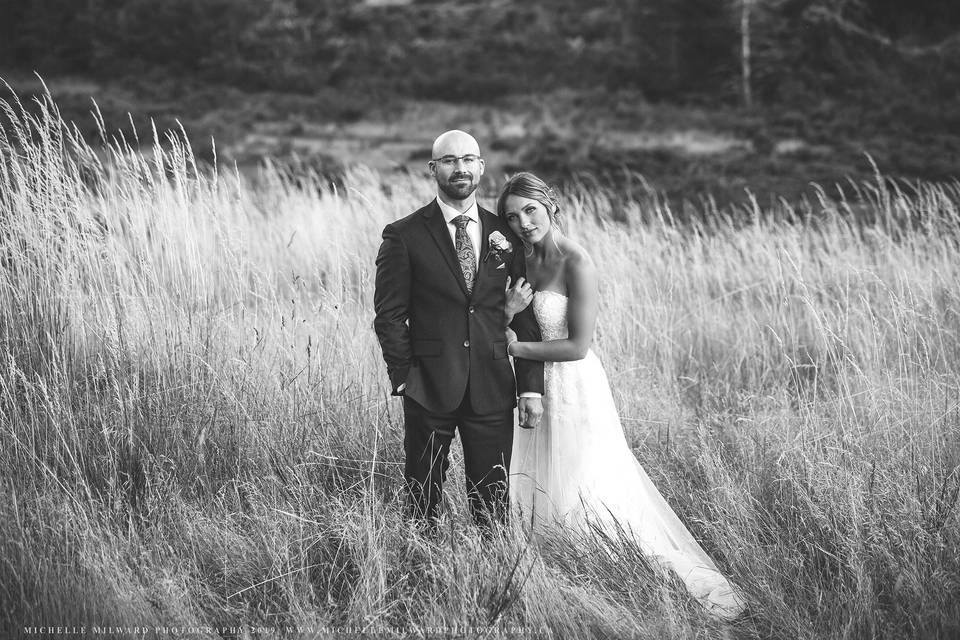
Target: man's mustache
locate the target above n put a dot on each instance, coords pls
(461, 176)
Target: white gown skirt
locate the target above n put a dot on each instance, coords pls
(576, 468)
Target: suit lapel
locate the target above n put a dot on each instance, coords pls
(437, 227)
(486, 228)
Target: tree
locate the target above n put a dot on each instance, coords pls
(746, 87)
(836, 14)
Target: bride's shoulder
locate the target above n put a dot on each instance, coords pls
(580, 276)
(576, 257)
(580, 273)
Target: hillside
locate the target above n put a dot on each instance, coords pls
(633, 95)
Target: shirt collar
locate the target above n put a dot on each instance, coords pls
(449, 213)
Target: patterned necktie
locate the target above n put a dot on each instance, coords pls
(465, 254)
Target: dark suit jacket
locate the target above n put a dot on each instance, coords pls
(437, 339)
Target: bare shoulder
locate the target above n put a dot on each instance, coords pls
(580, 275)
(577, 260)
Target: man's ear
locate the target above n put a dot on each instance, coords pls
(483, 166)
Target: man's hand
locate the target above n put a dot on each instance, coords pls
(530, 410)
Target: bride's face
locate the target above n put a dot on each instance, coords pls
(528, 218)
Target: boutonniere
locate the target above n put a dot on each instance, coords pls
(499, 246)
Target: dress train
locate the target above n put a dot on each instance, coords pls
(576, 469)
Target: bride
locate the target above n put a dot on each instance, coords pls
(576, 468)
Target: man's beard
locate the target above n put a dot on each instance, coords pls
(459, 192)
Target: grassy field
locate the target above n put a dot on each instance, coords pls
(197, 436)
(689, 153)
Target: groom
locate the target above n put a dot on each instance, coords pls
(439, 301)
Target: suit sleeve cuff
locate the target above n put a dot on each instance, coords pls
(531, 394)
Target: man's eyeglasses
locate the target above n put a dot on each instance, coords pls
(469, 160)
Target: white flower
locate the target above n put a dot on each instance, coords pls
(498, 242)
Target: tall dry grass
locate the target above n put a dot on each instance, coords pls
(196, 430)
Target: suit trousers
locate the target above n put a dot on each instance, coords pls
(487, 444)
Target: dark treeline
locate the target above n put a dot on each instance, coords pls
(467, 50)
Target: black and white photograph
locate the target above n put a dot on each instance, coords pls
(420, 319)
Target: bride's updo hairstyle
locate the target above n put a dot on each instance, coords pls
(527, 185)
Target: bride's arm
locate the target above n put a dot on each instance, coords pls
(582, 304)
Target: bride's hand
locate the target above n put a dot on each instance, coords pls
(518, 297)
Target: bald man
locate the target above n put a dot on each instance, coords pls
(439, 299)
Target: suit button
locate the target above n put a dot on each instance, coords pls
(471, 309)
(466, 343)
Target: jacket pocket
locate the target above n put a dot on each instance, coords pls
(426, 348)
(495, 268)
(499, 350)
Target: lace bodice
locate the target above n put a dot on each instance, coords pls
(550, 310)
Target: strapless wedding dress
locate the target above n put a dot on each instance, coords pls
(576, 468)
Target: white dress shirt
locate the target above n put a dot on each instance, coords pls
(473, 227)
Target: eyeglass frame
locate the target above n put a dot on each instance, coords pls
(467, 159)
